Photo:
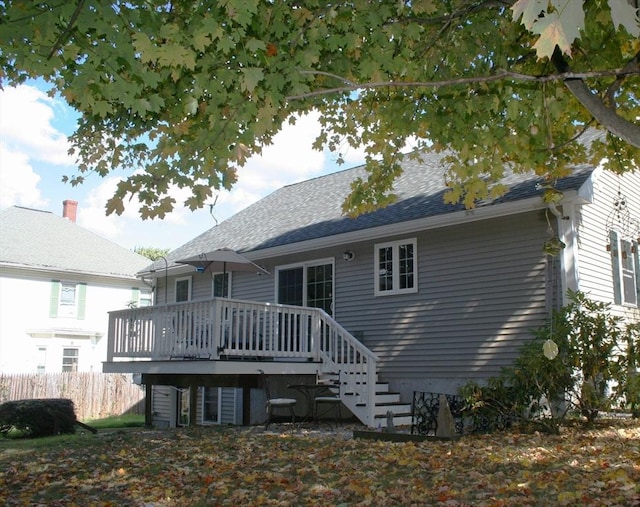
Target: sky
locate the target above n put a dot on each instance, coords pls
(33, 159)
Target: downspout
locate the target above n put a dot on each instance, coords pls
(567, 232)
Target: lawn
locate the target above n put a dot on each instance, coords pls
(284, 467)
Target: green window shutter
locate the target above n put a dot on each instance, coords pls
(55, 298)
(82, 300)
(615, 265)
(135, 296)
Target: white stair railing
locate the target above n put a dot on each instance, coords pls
(340, 351)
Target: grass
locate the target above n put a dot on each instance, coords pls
(15, 440)
(119, 421)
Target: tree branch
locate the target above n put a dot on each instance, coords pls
(349, 85)
(615, 86)
(606, 116)
(65, 34)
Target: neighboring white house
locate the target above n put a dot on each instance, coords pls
(58, 282)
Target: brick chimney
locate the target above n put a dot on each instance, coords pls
(69, 210)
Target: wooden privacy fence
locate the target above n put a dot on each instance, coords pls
(95, 395)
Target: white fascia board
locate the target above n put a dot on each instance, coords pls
(175, 270)
(61, 273)
(585, 194)
(409, 227)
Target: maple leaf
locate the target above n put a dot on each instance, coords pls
(624, 14)
(250, 78)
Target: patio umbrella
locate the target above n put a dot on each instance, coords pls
(221, 261)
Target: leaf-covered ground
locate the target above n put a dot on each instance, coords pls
(251, 467)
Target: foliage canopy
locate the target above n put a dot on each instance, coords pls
(187, 90)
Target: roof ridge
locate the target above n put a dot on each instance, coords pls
(30, 209)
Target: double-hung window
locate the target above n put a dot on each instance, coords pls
(68, 299)
(221, 285)
(396, 267)
(183, 289)
(625, 263)
(70, 359)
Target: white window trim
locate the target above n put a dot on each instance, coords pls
(396, 267)
(229, 289)
(189, 290)
(304, 265)
(621, 270)
(218, 402)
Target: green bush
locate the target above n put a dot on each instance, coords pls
(590, 372)
(628, 388)
(37, 418)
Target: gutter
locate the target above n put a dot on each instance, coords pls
(445, 220)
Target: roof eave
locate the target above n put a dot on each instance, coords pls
(410, 226)
(60, 271)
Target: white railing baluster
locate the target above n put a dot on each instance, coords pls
(228, 327)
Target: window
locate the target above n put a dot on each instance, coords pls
(221, 285)
(626, 270)
(146, 297)
(183, 406)
(68, 294)
(140, 298)
(309, 284)
(396, 267)
(67, 299)
(69, 360)
(211, 405)
(42, 359)
(183, 289)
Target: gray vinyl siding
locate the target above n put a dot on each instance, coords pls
(231, 405)
(254, 287)
(481, 289)
(162, 406)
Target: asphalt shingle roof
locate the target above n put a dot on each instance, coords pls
(313, 209)
(40, 239)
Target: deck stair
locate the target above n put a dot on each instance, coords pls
(384, 401)
(389, 401)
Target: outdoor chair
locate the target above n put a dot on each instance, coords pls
(328, 399)
(272, 404)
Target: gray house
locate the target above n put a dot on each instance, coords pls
(418, 296)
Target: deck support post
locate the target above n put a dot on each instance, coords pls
(246, 405)
(193, 405)
(148, 396)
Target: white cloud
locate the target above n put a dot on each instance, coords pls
(18, 181)
(34, 156)
(289, 159)
(128, 228)
(26, 124)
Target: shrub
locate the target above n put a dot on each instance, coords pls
(628, 388)
(589, 373)
(38, 418)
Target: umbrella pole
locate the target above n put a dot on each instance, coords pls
(225, 285)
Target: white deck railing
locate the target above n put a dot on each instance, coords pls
(220, 329)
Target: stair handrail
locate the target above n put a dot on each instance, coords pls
(339, 350)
